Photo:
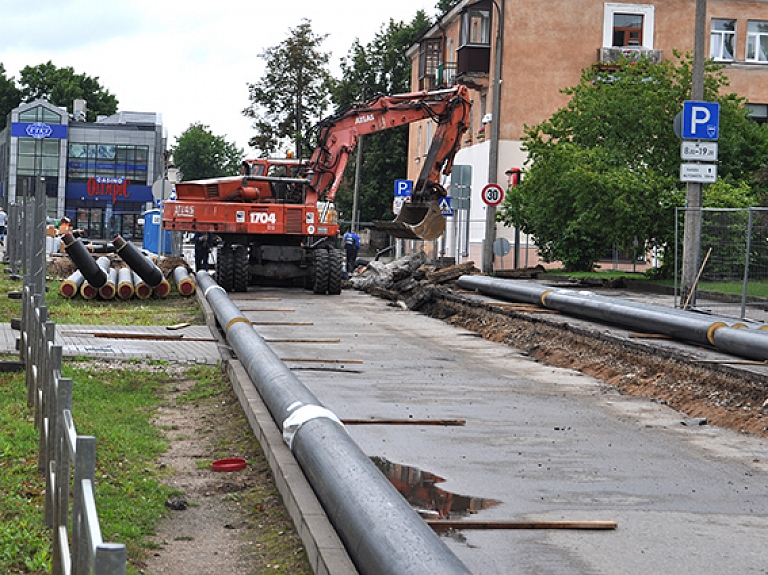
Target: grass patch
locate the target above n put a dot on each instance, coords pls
(112, 405)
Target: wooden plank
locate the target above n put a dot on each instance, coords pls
(459, 524)
(382, 421)
(318, 340)
(313, 360)
(297, 323)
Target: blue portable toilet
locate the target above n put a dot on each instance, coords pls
(152, 234)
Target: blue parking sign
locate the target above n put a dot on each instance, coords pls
(701, 120)
(403, 188)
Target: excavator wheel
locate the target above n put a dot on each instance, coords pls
(225, 262)
(321, 271)
(240, 269)
(336, 262)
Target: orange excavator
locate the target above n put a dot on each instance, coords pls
(277, 220)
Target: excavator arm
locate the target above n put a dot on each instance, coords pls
(338, 135)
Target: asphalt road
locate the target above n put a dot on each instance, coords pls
(539, 444)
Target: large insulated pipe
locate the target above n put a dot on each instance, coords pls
(141, 289)
(685, 326)
(109, 289)
(381, 532)
(94, 274)
(125, 287)
(70, 287)
(139, 263)
(183, 280)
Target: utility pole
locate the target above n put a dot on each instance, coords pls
(693, 193)
(493, 154)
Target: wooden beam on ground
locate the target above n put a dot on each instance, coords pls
(317, 340)
(295, 323)
(459, 524)
(382, 421)
(313, 360)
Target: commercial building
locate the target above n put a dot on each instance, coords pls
(99, 174)
(542, 47)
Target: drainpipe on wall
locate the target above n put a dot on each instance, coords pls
(493, 154)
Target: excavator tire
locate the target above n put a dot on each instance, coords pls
(321, 271)
(225, 261)
(240, 269)
(336, 261)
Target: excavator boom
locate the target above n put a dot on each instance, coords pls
(337, 136)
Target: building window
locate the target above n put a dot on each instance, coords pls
(757, 41)
(758, 113)
(40, 114)
(628, 30)
(722, 39)
(628, 25)
(430, 58)
(87, 161)
(476, 27)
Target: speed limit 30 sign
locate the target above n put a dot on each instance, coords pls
(493, 194)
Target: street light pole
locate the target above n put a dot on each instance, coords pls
(693, 193)
(493, 154)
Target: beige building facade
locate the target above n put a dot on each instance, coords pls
(544, 48)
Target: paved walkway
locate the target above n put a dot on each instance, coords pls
(190, 345)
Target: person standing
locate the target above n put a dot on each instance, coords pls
(3, 225)
(351, 246)
(203, 245)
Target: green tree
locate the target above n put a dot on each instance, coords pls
(604, 170)
(62, 86)
(10, 96)
(380, 67)
(200, 154)
(292, 94)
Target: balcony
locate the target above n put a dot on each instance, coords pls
(613, 55)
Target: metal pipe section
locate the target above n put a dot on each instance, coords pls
(679, 324)
(183, 280)
(139, 263)
(381, 532)
(125, 283)
(94, 274)
(70, 287)
(108, 290)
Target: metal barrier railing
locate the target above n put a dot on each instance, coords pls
(60, 447)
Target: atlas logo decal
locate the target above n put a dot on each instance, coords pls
(364, 119)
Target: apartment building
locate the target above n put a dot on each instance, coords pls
(539, 48)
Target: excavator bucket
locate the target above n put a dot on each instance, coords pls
(416, 222)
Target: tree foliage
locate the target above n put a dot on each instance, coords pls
(10, 96)
(604, 170)
(380, 67)
(62, 86)
(292, 94)
(200, 154)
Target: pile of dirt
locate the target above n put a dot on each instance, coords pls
(704, 392)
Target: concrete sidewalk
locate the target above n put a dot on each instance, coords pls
(189, 345)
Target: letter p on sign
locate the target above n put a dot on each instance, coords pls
(701, 120)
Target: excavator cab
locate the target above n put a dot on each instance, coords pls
(422, 221)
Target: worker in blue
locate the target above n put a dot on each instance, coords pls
(203, 245)
(351, 246)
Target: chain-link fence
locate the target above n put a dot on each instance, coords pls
(732, 264)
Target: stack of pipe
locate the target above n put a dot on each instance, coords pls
(184, 282)
(142, 266)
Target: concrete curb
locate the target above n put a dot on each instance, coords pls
(325, 551)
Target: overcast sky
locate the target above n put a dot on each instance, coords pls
(189, 61)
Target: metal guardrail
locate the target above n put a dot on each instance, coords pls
(60, 447)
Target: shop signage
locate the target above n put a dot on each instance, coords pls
(38, 130)
(111, 187)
